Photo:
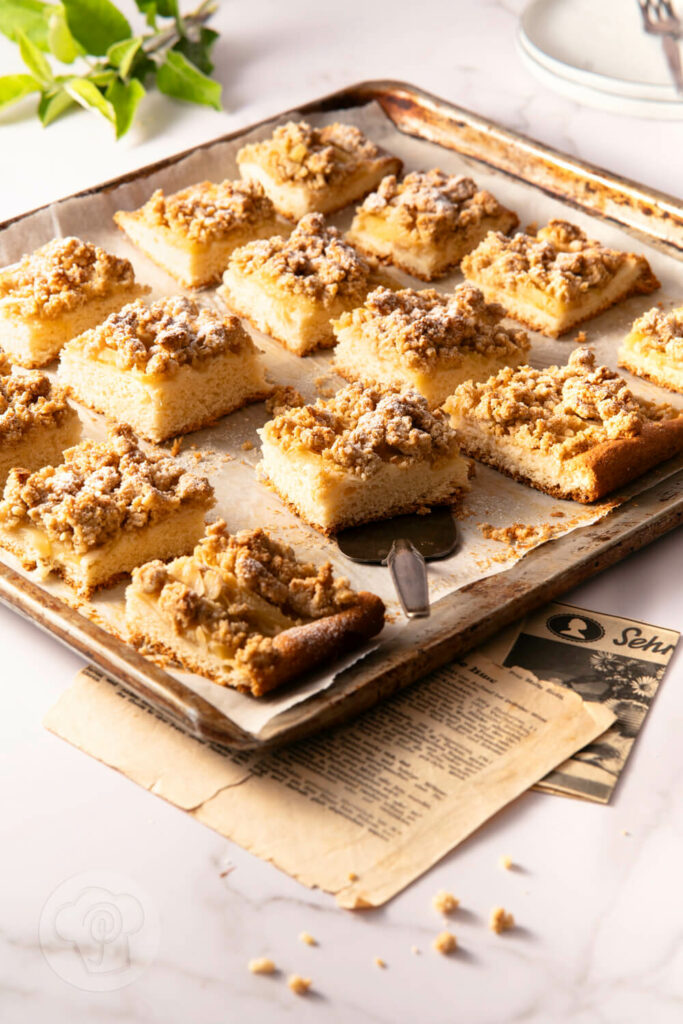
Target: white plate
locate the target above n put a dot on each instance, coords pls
(597, 53)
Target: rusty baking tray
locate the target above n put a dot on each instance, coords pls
(471, 615)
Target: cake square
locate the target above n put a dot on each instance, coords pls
(36, 421)
(58, 291)
(425, 340)
(653, 349)
(244, 611)
(107, 508)
(191, 234)
(555, 279)
(367, 453)
(165, 369)
(426, 223)
(315, 170)
(291, 288)
(573, 431)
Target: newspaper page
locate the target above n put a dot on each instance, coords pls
(614, 661)
(365, 809)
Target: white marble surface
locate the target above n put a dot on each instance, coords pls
(599, 911)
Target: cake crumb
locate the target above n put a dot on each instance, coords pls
(415, 950)
(352, 876)
(445, 902)
(247, 446)
(500, 920)
(557, 514)
(261, 965)
(444, 943)
(177, 445)
(581, 338)
(307, 939)
(505, 862)
(379, 962)
(299, 985)
(283, 397)
(625, 832)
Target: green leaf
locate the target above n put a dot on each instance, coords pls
(167, 8)
(59, 38)
(53, 104)
(124, 98)
(33, 59)
(90, 97)
(198, 52)
(27, 16)
(179, 78)
(13, 87)
(123, 54)
(96, 24)
(149, 9)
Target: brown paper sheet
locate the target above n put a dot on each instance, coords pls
(382, 799)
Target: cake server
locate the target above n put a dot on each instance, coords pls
(405, 544)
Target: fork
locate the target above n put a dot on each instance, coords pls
(659, 19)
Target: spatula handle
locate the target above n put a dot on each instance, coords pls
(409, 573)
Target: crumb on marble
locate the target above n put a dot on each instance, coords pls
(445, 902)
(505, 862)
(500, 920)
(307, 939)
(299, 985)
(379, 962)
(415, 950)
(261, 965)
(444, 943)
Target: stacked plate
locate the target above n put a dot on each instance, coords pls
(598, 54)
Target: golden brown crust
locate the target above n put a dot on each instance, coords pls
(61, 276)
(655, 378)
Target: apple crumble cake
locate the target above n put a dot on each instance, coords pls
(58, 291)
(166, 369)
(555, 279)
(573, 431)
(426, 223)
(36, 421)
(367, 453)
(191, 234)
(307, 170)
(654, 348)
(291, 288)
(245, 612)
(107, 508)
(425, 340)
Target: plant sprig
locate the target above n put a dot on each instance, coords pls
(110, 68)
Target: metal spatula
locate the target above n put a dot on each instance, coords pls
(404, 544)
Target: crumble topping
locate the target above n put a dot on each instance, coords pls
(444, 943)
(431, 204)
(445, 902)
(316, 157)
(211, 593)
(362, 427)
(62, 275)
(560, 260)
(500, 920)
(568, 409)
(299, 985)
(101, 489)
(208, 210)
(262, 965)
(426, 326)
(162, 337)
(662, 332)
(307, 939)
(283, 397)
(314, 261)
(28, 399)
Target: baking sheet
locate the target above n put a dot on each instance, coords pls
(228, 452)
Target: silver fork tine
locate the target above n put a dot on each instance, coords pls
(660, 19)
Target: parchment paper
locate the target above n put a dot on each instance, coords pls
(221, 452)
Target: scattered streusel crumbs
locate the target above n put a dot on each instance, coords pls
(444, 943)
(500, 920)
(505, 862)
(247, 446)
(557, 514)
(307, 939)
(353, 877)
(379, 962)
(415, 950)
(299, 985)
(581, 338)
(176, 446)
(445, 902)
(261, 965)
